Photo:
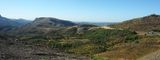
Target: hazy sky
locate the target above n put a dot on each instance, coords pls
(80, 10)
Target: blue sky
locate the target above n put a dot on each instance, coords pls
(80, 10)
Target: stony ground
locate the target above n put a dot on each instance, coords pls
(14, 50)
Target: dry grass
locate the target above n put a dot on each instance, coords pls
(133, 51)
(151, 56)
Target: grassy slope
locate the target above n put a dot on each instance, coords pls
(151, 56)
(104, 44)
(146, 23)
(133, 51)
(144, 46)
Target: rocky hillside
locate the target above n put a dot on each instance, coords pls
(13, 49)
(147, 23)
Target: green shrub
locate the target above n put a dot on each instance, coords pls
(98, 58)
(101, 36)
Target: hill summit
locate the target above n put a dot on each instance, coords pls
(50, 22)
(147, 23)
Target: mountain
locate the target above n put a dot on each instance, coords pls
(50, 22)
(12, 22)
(43, 25)
(22, 22)
(7, 24)
(147, 23)
(97, 23)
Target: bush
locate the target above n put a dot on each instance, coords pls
(98, 58)
(105, 37)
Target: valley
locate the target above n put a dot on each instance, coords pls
(48, 38)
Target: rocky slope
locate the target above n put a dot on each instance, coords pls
(12, 49)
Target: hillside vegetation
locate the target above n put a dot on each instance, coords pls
(48, 38)
(147, 23)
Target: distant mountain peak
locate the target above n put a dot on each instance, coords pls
(146, 23)
(45, 19)
(4, 21)
(1, 16)
(154, 15)
(51, 22)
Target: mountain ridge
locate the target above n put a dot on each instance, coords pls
(12, 22)
(49, 21)
(147, 23)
